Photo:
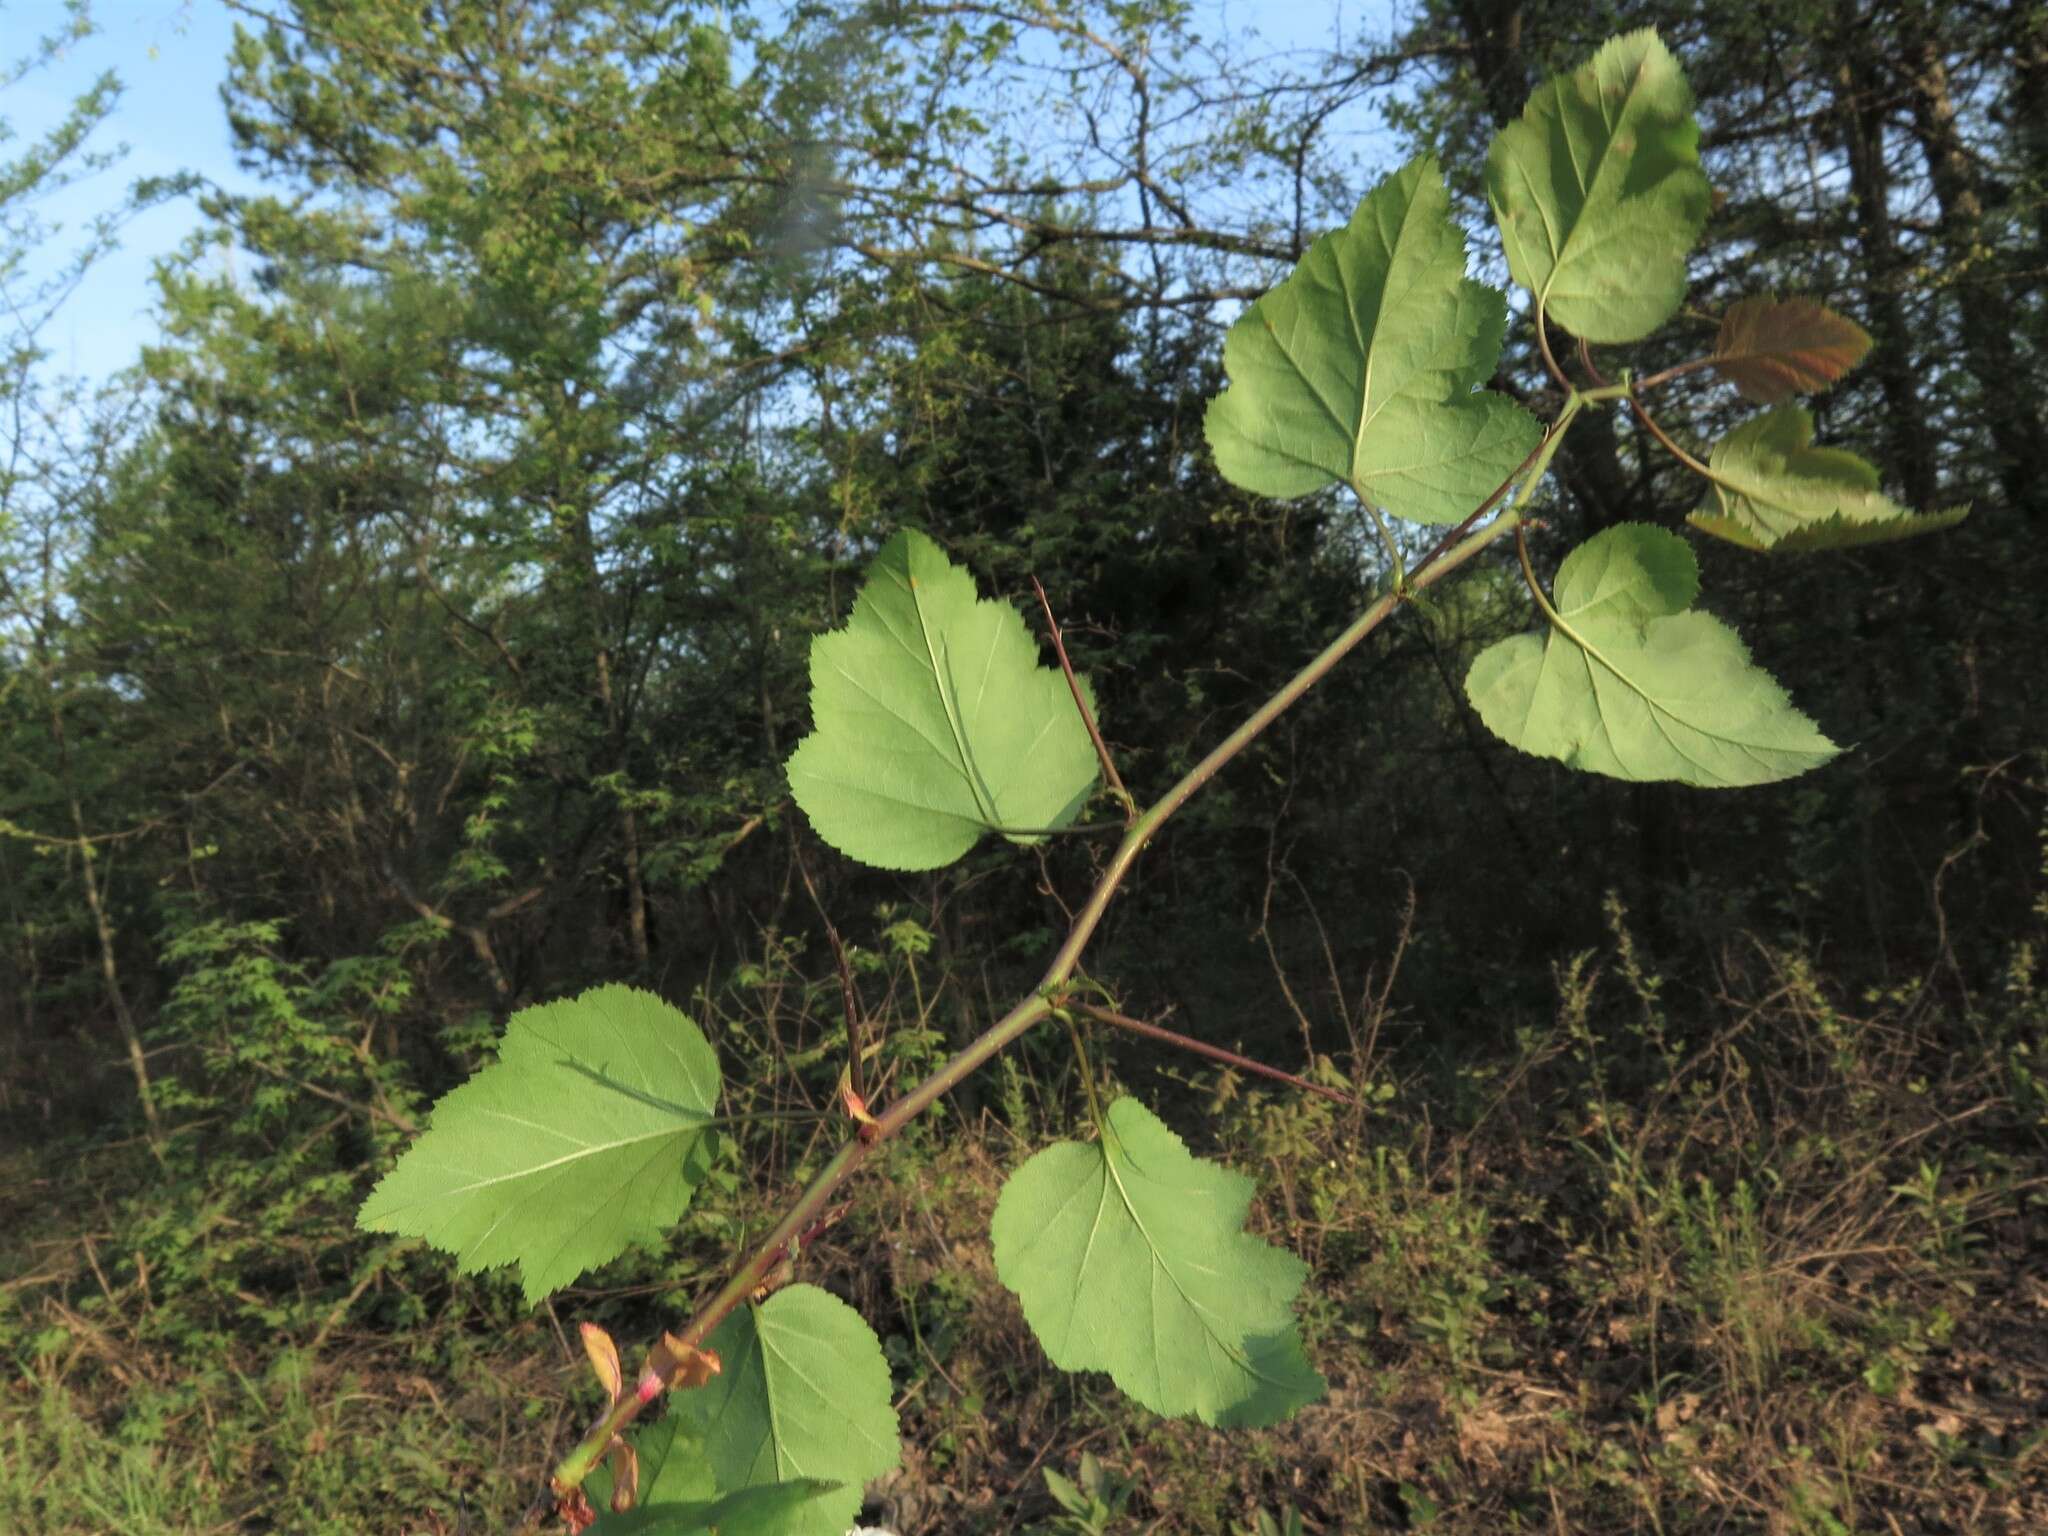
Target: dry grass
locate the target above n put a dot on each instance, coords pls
(1751, 1262)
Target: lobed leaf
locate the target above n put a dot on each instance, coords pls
(933, 722)
(1772, 349)
(1362, 368)
(1130, 1256)
(1630, 682)
(1771, 489)
(1599, 194)
(805, 1394)
(587, 1134)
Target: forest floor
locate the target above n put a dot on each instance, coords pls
(1788, 1273)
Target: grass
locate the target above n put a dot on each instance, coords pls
(1756, 1261)
(350, 1446)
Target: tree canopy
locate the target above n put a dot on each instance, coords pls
(434, 630)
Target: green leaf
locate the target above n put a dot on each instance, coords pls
(1773, 349)
(1598, 191)
(672, 1467)
(804, 1393)
(587, 1134)
(1130, 1256)
(1361, 368)
(1629, 681)
(773, 1509)
(933, 722)
(1770, 488)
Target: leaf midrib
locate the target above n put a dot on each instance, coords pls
(685, 1126)
(948, 702)
(1770, 499)
(1659, 711)
(1161, 1263)
(1578, 219)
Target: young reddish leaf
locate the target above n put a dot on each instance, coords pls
(682, 1366)
(604, 1359)
(1772, 349)
(572, 1508)
(855, 1106)
(626, 1477)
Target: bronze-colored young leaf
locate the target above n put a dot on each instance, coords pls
(1772, 349)
(604, 1359)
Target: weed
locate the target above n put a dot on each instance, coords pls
(1091, 1503)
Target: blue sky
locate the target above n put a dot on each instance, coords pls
(171, 58)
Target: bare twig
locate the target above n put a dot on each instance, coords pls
(1655, 430)
(1109, 773)
(848, 996)
(1213, 1052)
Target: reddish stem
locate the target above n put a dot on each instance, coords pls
(1677, 371)
(1490, 503)
(1657, 431)
(1214, 1053)
(1109, 773)
(1586, 361)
